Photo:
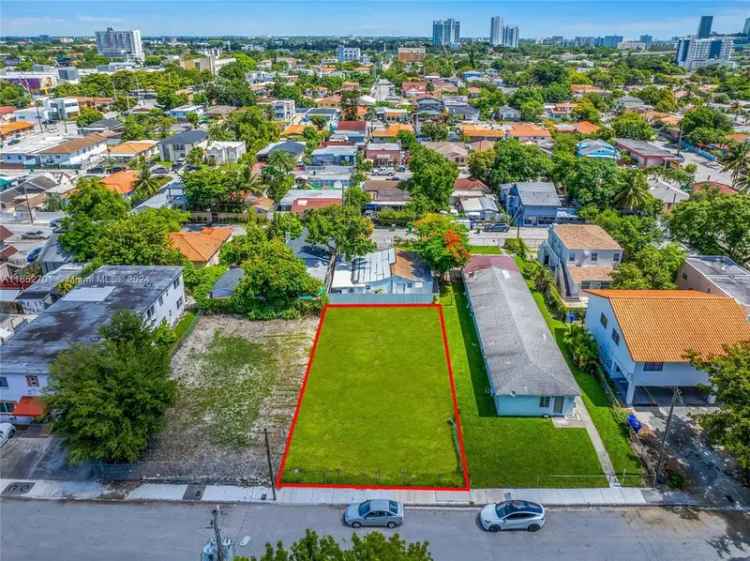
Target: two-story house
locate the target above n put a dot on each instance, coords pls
(531, 203)
(644, 337)
(716, 274)
(581, 256)
(176, 147)
(156, 294)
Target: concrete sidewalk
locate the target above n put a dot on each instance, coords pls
(67, 490)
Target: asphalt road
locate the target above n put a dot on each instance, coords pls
(54, 531)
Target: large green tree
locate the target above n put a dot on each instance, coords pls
(729, 377)
(274, 283)
(277, 175)
(632, 125)
(714, 224)
(13, 94)
(433, 176)
(341, 229)
(373, 546)
(441, 242)
(141, 239)
(90, 208)
(513, 161)
(704, 125)
(109, 397)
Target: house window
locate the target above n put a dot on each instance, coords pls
(150, 312)
(3, 382)
(616, 257)
(32, 381)
(176, 282)
(7, 406)
(572, 257)
(684, 276)
(544, 402)
(179, 302)
(653, 366)
(616, 337)
(603, 320)
(594, 257)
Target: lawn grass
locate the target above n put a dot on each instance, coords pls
(377, 404)
(485, 250)
(236, 375)
(614, 435)
(509, 451)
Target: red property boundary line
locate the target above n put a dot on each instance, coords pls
(280, 484)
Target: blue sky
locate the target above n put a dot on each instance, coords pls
(354, 17)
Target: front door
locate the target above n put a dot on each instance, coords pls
(559, 402)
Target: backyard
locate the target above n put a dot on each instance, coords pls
(377, 406)
(509, 451)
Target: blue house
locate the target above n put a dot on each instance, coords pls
(334, 156)
(527, 374)
(644, 337)
(596, 149)
(531, 203)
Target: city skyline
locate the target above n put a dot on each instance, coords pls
(663, 20)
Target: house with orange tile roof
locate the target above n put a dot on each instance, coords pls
(15, 129)
(528, 132)
(134, 149)
(201, 247)
(121, 182)
(644, 338)
(581, 257)
(474, 133)
(391, 132)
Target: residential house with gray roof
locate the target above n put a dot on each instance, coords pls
(527, 374)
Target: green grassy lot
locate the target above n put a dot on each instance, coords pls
(509, 451)
(613, 433)
(377, 405)
(485, 250)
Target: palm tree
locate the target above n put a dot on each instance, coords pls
(146, 185)
(738, 164)
(633, 195)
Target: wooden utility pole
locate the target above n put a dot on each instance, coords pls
(270, 464)
(217, 534)
(663, 445)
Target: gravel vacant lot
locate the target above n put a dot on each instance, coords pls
(235, 378)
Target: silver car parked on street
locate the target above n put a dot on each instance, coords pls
(375, 512)
(512, 515)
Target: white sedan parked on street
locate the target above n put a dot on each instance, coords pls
(512, 515)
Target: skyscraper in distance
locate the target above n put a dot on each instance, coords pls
(496, 31)
(446, 33)
(510, 36)
(111, 43)
(704, 29)
(746, 29)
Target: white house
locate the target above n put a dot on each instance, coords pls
(283, 109)
(581, 256)
(644, 336)
(156, 294)
(76, 153)
(225, 152)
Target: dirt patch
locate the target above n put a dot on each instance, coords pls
(235, 378)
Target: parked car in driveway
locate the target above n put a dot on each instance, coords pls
(512, 515)
(7, 430)
(376, 512)
(498, 227)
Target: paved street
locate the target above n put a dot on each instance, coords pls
(46, 530)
